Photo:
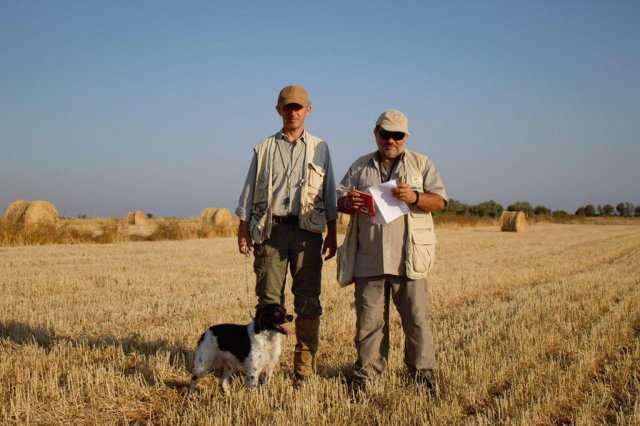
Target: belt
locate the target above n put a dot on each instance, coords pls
(289, 220)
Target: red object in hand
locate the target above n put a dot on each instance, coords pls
(369, 207)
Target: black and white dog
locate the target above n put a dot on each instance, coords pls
(253, 349)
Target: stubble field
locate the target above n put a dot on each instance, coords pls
(540, 327)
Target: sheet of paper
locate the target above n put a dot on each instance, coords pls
(388, 207)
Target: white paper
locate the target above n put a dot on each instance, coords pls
(388, 207)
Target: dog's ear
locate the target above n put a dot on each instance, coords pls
(257, 320)
(263, 309)
(262, 315)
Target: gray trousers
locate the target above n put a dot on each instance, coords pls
(300, 251)
(372, 296)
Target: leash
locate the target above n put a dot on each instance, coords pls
(245, 250)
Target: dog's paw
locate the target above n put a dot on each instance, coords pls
(252, 381)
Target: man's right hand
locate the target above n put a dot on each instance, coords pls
(245, 243)
(350, 203)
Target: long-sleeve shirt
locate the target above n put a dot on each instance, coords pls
(288, 175)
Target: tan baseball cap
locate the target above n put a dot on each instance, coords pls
(293, 95)
(393, 121)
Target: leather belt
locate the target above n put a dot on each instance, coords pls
(289, 220)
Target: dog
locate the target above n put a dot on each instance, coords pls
(253, 349)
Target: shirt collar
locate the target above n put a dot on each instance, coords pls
(302, 138)
(376, 158)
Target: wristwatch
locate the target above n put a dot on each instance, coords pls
(417, 198)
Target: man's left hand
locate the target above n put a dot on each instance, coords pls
(405, 193)
(330, 246)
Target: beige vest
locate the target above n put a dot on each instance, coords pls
(312, 212)
(421, 238)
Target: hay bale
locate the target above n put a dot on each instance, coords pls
(207, 215)
(223, 218)
(513, 221)
(343, 219)
(22, 212)
(15, 211)
(342, 222)
(219, 222)
(40, 213)
(217, 217)
(136, 218)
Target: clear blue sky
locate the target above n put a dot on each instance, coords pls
(112, 106)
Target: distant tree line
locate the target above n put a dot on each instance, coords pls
(624, 209)
(493, 209)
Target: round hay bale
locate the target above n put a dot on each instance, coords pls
(219, 222)
(223, 218)
(207, 215)
(342, 223)
(513, 221)
(343, 219)
(40, 213)
(136, 218)
(15, 211)
(22, 212)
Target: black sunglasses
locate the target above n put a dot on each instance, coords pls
(396, 136)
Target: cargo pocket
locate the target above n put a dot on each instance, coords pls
(261, 191)
(315, 178)
(423, 249)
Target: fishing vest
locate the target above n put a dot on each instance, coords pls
(421, 238)
(312, 212)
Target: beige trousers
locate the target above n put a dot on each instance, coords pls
(372, 297)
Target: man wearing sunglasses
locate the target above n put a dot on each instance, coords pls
(391, 261)
(288, 200)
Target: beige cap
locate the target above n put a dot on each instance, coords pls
(394, 121)
(293, 95)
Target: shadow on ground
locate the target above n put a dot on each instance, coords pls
(137, 349)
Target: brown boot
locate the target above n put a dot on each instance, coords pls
(304, 357)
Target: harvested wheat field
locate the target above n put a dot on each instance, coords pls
(541, 327)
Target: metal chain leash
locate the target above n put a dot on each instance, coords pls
(245, 250)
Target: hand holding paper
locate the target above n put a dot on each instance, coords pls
(388, 207)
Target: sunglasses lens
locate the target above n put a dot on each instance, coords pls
(396, 136)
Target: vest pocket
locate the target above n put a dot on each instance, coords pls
(422, 249)
(312, 214)
(315, 176)
(421, 220)
(261, 190)
(318, 216)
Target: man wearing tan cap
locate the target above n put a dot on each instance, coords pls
(391, 260)
(287, 201)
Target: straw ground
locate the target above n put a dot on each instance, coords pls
(541, 327)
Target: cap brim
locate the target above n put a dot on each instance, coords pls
(286, 102)
(391, 128)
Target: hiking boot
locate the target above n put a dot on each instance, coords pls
(299, 380)
(356, 387)
(427, 380)
(304, 356)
